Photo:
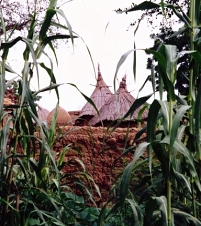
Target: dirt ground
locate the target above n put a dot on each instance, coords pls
(99, 150)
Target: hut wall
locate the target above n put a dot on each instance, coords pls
(98, 151)
(83, 120)
(123, 124)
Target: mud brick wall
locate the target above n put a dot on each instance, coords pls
(99, 151)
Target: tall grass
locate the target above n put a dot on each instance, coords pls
(33, 188)
(167, 192)
(163, 189)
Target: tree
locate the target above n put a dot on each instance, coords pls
(182, 43)
(166, 36)
(17, 14)
(166, 30)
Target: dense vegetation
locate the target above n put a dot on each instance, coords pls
(163, 189)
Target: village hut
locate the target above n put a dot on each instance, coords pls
(116, 107)
(42, 113)
(63, 118)
(100, 96)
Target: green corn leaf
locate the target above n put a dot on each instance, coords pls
(86, 98)
(176, 122)
(100, 221)
(30, 36)
(59, 11)
(46, 23)
(197, 56)
(152, 120)
(3, 24)
(8, 45)
(62, 154)
(186, 216)
(162, 64)
(29, 98)
(9, 69)
(162, 202)
(50, 87)
(2, 90)
(162, 156)
(11, 207)
(140, 133)
(146, 5)
(52, 77)
(52, 129)
(125, 179)
(49, 151)
(179, 146)
(137, 103)
(179, 32)
(51, 38)
(165, 114)
(171, 68)
(180, 132)
(34, 58)
(183, 180)
(4, 140)
(138, 216)
(197, 117)
(121, 61)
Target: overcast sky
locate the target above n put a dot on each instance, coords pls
(108, 36)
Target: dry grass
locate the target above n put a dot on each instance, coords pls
(117, 106)
(100, 96)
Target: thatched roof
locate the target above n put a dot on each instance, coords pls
(63, 118)
(117, 106)
(42, 113)
(100, 96)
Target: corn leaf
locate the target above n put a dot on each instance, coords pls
(125, 179)
(146, 5)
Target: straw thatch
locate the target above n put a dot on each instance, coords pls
(117, 106)
(42, 113)
(63, 118)
(100, 96)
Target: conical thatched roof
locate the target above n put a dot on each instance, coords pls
(63, 118)
(117, 106)
(42, 113)
(100, 96)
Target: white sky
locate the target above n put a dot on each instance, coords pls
(89, 19)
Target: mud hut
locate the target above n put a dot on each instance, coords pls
(100, 96)
(116, 107)
(63, 118)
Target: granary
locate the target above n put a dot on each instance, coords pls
(42, 113)
(100, 96)
(63, 118)
(116, 107)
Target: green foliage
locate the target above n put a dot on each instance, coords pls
(33, 186)
(165, 189)
(160, 186)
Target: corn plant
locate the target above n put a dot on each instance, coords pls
(170, 186)
(32, 188)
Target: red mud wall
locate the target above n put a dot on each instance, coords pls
(98, 150)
